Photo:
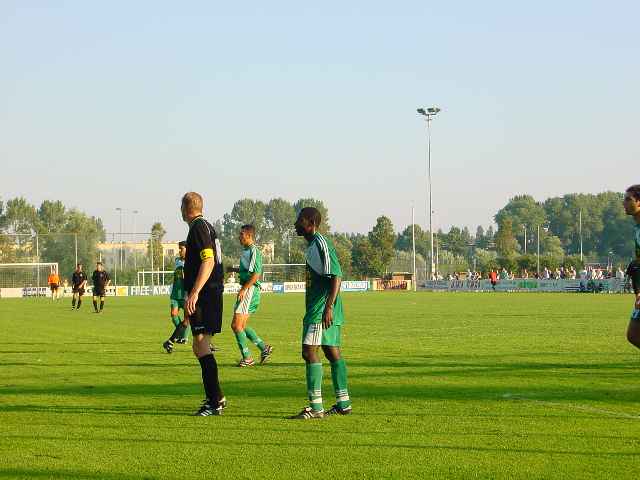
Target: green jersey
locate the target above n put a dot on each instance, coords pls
(322, 266)
(636, 236)
(250, 263)
(177, 291)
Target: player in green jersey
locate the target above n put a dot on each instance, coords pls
(248, 299)
(631, 205)
(176, 298)
(323, 318)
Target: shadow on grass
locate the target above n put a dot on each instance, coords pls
(350, 445)
(64, 474)
(288, 387)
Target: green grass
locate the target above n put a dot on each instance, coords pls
(443, 384)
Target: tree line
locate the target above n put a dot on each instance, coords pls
(557, 226)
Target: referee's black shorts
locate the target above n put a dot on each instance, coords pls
(207, 318)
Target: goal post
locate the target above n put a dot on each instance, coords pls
(283, 272)
(155, 277)
(26, 275)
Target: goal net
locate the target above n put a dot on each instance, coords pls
(155, 277)
(283, 272)
(26, 275)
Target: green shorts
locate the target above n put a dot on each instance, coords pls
(176, 303)
(316, 334)
(249, 303)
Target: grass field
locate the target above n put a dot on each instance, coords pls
(444, 385)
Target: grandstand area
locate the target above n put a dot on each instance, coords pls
(503, 385)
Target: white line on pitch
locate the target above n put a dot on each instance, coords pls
(571, 406)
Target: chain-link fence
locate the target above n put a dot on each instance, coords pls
(122, 255)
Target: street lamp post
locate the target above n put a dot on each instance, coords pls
(121, 244)
(429, 113)
(135, 249)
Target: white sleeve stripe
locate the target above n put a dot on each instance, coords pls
(325, 249)
(252, 262)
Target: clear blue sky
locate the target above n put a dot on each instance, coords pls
(130, 104)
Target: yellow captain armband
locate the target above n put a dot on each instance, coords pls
(206, 253)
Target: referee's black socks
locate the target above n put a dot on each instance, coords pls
(210, 378)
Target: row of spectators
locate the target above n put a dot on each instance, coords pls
(569, 273)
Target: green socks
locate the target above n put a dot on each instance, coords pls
(176, 320)
(339, 378)
(253, 336)
(314, 386)
(241, 338)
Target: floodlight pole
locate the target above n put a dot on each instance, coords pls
(429, 113)
(524, 227)
(135, 250)
(413, 241)
(538, 252)
(119, 209)
(38, 259)
(580, 235)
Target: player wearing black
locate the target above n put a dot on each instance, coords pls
(204, 284)
(631, 205)
(101, 281)
(78, 282)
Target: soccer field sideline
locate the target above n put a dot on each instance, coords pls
(483, 385)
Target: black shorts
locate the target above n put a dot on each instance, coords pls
(98, 291)
(208, 315)
(79, 291)
(54, 286)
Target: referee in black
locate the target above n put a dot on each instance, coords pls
(204, 284)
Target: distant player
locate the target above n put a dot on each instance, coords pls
(631, 205)
(78, 283)
(54, 283)
(323, 319)
(248, 298)
(176, 299)
(101, 281)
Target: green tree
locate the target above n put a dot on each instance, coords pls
(20, 216)
(244, 212)
(61, 247)
(457, 241)
(382, 238)
(366, 260)
(154, 245)
(52, 216)
(343, 247)
(552, 246)
(404, 241)
(523, 211)
(280, 217)
(506, 244)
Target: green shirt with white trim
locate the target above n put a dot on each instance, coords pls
(321, 266)
(250, 263)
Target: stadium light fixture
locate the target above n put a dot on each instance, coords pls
(429, 113)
